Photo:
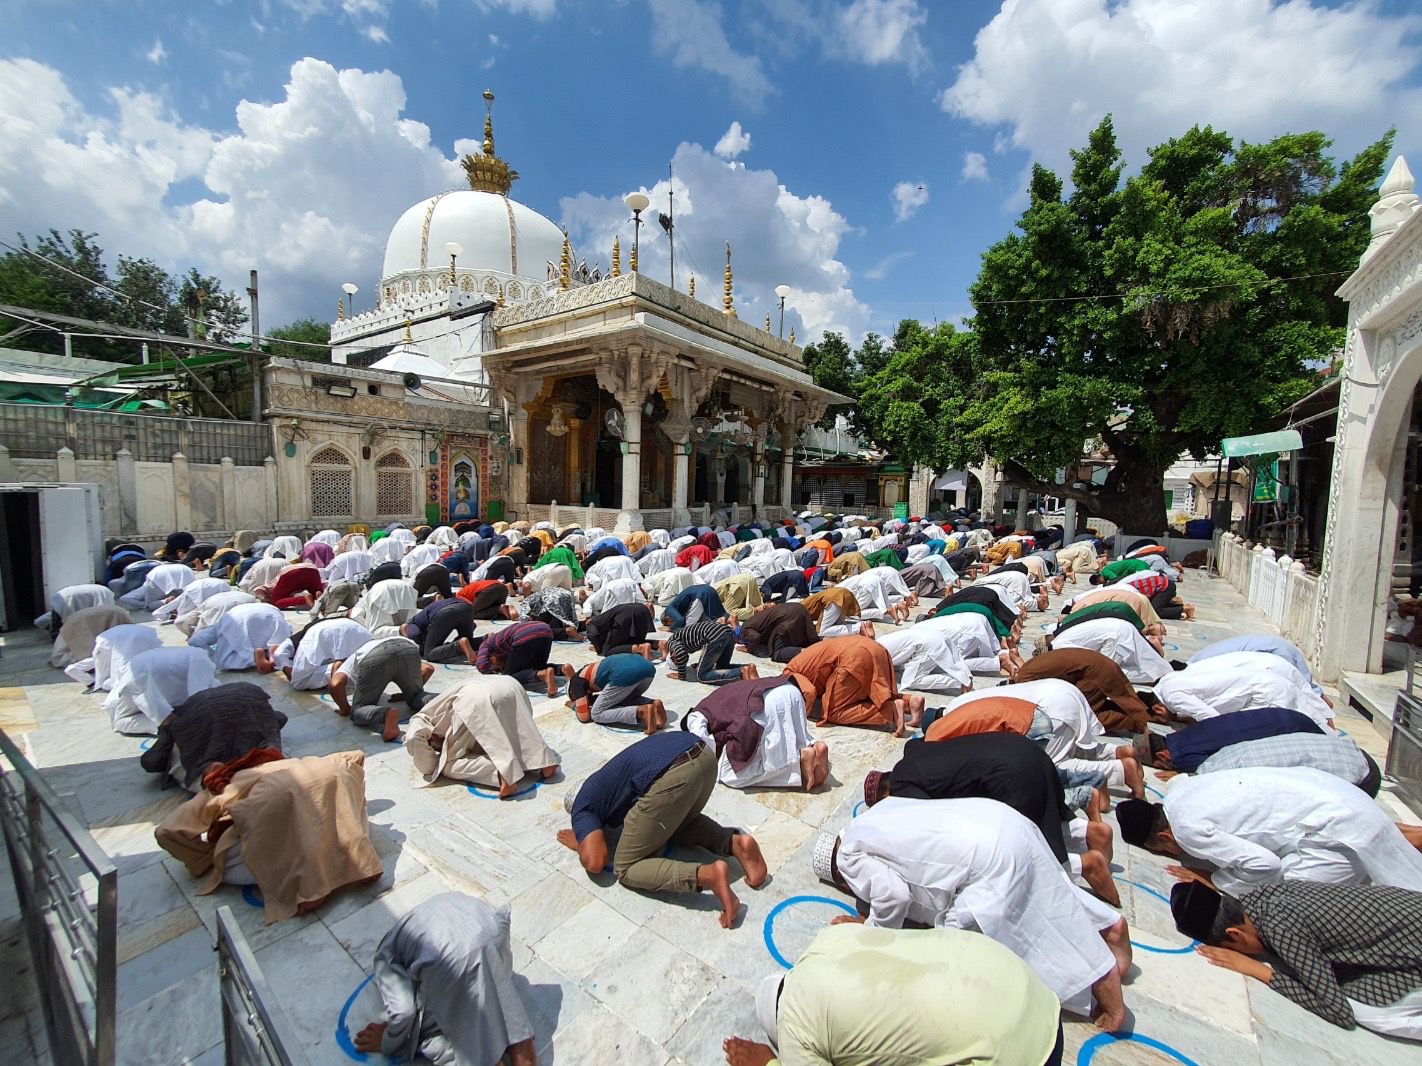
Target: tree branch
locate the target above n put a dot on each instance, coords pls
(1019, 476)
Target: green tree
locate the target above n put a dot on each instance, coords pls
(307, 331)
(1157, 315)
(831, 364)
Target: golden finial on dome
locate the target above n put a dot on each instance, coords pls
(409, 337)
(616, 257)
(727, 303)
(500, 301)
(487, 172)
(792, 335)
(566, 265)
(691, 287)
(767, 322)
(340, 310)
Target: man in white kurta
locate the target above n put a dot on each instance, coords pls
(285, 547)
(979, 864)
(160, 585)
(112, 650)
(881, 597)
(348, 566)
(233, 641)
(551, 576)
(416, 559)
(213, 609)
(322, 643)
(1240, 681)
(623, 590)
(73, 598)
(262, 572)
(1265, 824)
(655, 562)
(1018, 587)
(784, 738)
(666, 585)
(973, 636)
(926, 660)
(386, 550)
(1122, 643)
(386, 605)
(612, 568)
(191, 598)
(717, 570)
(152, 683)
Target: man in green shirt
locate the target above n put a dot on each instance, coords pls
(857, 996)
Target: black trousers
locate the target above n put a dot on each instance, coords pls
(1163, 607)
(433, 578)
(487, 601)
(457, 618)
(526, 660)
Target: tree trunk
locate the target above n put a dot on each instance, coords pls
(1133, 497)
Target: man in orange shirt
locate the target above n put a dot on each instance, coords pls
(852, 680)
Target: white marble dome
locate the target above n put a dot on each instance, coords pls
(498, 234)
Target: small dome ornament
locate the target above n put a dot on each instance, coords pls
(727, 302)
(487, 172)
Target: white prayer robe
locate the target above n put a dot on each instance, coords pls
(152, 683)
(978, 864)
(1265, 824)
(950, 576)
(240, 632)
(416, 559)
(684, 541)
(926, 660)
(550, 576)
(1120, 642)
(386, 550)
(348, 566)
(1017, 586)
(1078, 741)
(974, 638)
(874, 592)
(328, 537)
(576, 542)
(1240, 681)
(330, 641)
(288, 547)
(660, 537)
(623, 590)
(404, 537)
(785, 732)
(444, 538)
(74, 598)
(194, 595)
(214, 607)
(385, 604)
(613, 568)
(112, 650)
(665, 585)
(656, 561)
(262, 572)
(717, 570)
(158, 584)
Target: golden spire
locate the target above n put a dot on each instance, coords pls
(632, 259)
(408, 338)
(340, 310)
(487, 172)
(767, 322)
(792, 334)
(691, 288)
(727, 304)
(616, 257)
(566, 265)
(500, 300)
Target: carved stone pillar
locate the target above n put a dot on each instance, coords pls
(758, 469)
(787, 464)
(631, 454)
(573, 461)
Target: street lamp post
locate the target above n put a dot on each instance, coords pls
(454, 250)
(636, 203)
(350, 290)
(782, 291)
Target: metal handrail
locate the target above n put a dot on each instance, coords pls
(255, 1031)
(73, 941)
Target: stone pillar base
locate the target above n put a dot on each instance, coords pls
(628, 522)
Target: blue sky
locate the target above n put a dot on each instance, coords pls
(289, 134)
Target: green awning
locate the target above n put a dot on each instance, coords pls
(1285, 440)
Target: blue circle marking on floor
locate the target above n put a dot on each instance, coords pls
(1186, 950)
(252, 896)
(1168, 646)
(1096, 1043)
(854, 811)
(344, 1040)
(769, 930)
(149, 743)
(493, 794)
(1152, 788)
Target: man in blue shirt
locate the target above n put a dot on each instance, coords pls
(613, 690)
(655, 791)
(691, 605)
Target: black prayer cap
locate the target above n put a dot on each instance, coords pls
(1195, 907)
(1135, 817)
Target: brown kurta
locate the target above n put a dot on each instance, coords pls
(995, 714)
(847, 565)
(1100, 680)
(852, 677)
(301, 825)
(923, 579)
(782, 625)
(1120, 594)
(1003, 551)
(488, 732)
(841, 598)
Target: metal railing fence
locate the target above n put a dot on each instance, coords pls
(68, 893)
(255, 1031)
(37, 431)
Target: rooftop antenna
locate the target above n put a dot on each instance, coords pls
(668, 222)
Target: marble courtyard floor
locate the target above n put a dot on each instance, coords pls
(608, 975)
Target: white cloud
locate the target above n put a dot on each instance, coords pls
(880, 270)
(157, 53)
(376, 34)
(539, 9)
(1048, 70)
(733, 142)
(974, 167)
(882, 31)
(908, 197)
(777, 237)
(692, 33)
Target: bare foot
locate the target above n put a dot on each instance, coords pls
(506, 788)
(661, 709)
(567, 838)
(1189, 612)
(1118, 939)
(913, 705)
(1110, 1004)
(583, 710)
(866, 629)
(749, 672)
(742, 1052)
(549, 677)
(1412, 833)
(747, 853)
(645, 651)
(548, 771)
(1096, 871)
(717, 877)
(568, 671)
(648, 717)
(392, 724)
(814, 765)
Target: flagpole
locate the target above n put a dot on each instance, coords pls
(671, 215)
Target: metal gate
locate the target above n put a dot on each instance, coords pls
(255, 1032)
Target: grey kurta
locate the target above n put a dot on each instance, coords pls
(488, 730)
(445, 975)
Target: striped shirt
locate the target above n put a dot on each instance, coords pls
(1338, 756)
(689, 639)
(1147, 582)
(504, 641)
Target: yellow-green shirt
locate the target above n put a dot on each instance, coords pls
(862, 996)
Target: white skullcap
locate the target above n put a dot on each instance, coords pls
(767, 994)
(823, 853)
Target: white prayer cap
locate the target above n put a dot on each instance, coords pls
(767, 994)
(823, 853)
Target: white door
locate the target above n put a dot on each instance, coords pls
(70, 539)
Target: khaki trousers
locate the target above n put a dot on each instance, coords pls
(670, 812)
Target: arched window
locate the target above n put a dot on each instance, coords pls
(330, 477)
(394, 486)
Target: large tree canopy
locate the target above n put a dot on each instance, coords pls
(1159, 314)
(66, 274)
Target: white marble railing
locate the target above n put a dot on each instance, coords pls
(1276, 585)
